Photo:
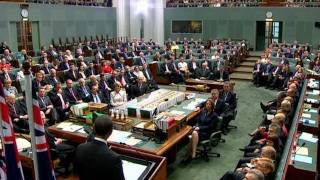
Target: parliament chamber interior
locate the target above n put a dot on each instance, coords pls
(161, 89)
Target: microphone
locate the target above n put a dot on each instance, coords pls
(294, 153)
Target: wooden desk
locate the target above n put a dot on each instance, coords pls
(209, 83)
(148, 147)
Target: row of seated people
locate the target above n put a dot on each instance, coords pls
(206, 69)
(105, 3)
(214, 115)
(263, 153)
(275, 76)
(114, 91)
(294, 50)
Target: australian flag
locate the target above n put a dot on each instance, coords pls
(45, 169)
(11, 169)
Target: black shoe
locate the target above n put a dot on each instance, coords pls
(263, 107)
(241, 149)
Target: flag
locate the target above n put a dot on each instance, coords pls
(12, 168)
(45, 169)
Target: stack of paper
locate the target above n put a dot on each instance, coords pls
(22, 144)
(302, 150)
(304, 159)
(305, 115)
(308, 137)
(132, 171)
(119, 136)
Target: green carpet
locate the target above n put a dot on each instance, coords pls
(248, 118)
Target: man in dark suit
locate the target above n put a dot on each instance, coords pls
(45, 67)
(59, 101)
(6, 75)
(170, 70)
(19, 119)
(94, 159)
(72, 73)
(65, 64)
(204, 72)
(52, 78)
(38, 82)
(257, 72)
(193, 67)
(141, 61)
(46, 106)
(83, 90)
(71, 94)
(96, 97)
(150, 81)
(120, 64)
(90, 70)
(113, 79)
(229, 98)
(140, 88)
(267, 72)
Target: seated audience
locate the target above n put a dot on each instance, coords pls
(18, 117)
(9, 89)
(140, 88)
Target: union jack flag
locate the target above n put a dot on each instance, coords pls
(12, 169)
(45, 169)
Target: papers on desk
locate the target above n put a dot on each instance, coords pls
(308, 137)
(304, 159)
(305, 115)
(132, 171)
(302, 151)
(22, 144)
(310, 110)
(314, 101)
(313, 92)
(174, 112)
(192, 105)
(119, 136)
(132, 141)
(308, 121)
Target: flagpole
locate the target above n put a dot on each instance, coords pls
(29, 99)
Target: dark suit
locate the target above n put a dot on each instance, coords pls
(88, 72)
(71, 98)
(257, 75)
(206, 122)
(119, 65)
(3, 76)
(36, 84)
(50, 80)
(111, 81)
(267, 73)
(69, 75)
(140, 61)
(101, 97)
(83, 93)
(57, 103)
(63, 66)
(46, 69)
(43, 104)
(203, 73)
(94, 160)
(139, 90)
(151, 82)
(173, 75)
(19, 124)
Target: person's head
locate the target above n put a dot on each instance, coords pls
(72, 67)
(215, 94)
(94, 90)
(226, 87)
(11, 99)
(81, 68)
(136, 68)
(117, 87)
(290, 92)
(122, 60)
(259, 61)
(285, 105)
(7, 83)
(82, 82)
(39, 76)
(91, 65)
(65, 59)
(69, 83)
(6, 52)
(53, 72)
(68, 52)
(115, 73)
(181, 58)
(279, 118)
(204, 65)
(265, 165)
(209, 105)
(140, 79)
(273, 140)
(103, 127)
(254, 174)
(41, 91)
(268, 152)
(141, 54)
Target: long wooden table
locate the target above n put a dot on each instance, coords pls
(211, 84)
